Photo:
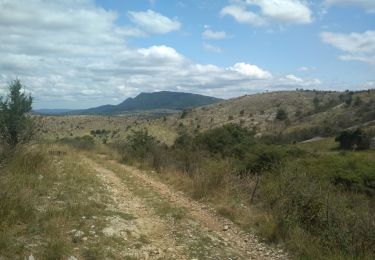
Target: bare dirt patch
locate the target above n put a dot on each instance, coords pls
(167, 224)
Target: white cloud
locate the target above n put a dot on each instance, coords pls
(270, 11)
(251, 71)
(293, 78)
(368, 5)
(154, 23)
(212, 48)
(212, 35)
(71, 53)
(356, 46)
(162, 53)
(242, 15)
(305, 68)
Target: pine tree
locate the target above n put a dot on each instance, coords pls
(15, 121)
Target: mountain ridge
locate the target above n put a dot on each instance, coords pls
(148, 101)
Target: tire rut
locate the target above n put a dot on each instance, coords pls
(202, 234)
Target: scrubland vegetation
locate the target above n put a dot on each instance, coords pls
(315, 198)
(318, 200)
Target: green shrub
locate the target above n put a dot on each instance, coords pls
(353, 139)
(281, 114)
(316, 220)
(141, 143)
(230, 140)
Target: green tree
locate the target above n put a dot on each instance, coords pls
(15, 121)
(353, 139)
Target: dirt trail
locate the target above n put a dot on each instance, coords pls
(171, 225)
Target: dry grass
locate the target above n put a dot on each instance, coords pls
(44, 200)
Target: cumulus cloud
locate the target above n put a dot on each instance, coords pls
(154, 23)
(251, 71)
(212, 35)
(368, 5)
(270, 11)
(356, 46)
(72, 53)
(293, 78)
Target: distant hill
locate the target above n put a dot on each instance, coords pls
(308, 113)
(158, 101)
(51, 111)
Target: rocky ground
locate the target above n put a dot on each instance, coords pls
(152, 221)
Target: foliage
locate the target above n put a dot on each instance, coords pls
(353, 139)
(102, 134)
(141, 143)
(15, 123)
(316, 220)
(281, 114)
(229, 140)
(319, 204)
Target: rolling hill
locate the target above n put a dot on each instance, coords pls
(162, 102)
(308, 113)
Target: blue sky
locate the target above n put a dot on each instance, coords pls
(82, 53)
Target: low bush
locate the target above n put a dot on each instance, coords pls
(353, 139)
(80, 142)
(229, 140)
(309, 209)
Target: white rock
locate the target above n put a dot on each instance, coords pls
(225, 228)
(108, 231)
(79, 233)
(31, 257)
(72, 258)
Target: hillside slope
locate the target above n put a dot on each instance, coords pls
(305, 118)
(163, 100)
(308, 113)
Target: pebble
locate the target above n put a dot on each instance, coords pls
(31, 257)
(225, 228)
(72, 258)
